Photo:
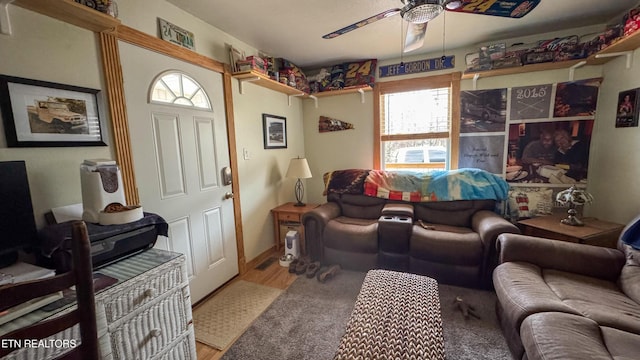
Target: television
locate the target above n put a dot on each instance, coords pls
(17, 224)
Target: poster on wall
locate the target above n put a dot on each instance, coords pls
(554, 152)
(483, 110)
(530, 102)
(576, 98)
(627, 109)
(482, 152)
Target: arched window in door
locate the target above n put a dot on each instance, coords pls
(179, 89)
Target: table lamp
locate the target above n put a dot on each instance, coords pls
(573, 197)
(299, 168)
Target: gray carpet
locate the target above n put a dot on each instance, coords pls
(308, 320)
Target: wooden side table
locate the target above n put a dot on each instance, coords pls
(292, 214)
(594, 232)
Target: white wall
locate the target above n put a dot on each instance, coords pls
(43, 48)
(614, 166)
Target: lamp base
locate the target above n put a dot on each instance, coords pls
(572, 219)
(299, 204)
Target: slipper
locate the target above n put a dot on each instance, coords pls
(328, 274)
(312, 269)
(302, 265)
(292, 266)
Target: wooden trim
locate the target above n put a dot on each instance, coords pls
(233, 162)
(455, 120)
(421, 136)
(422, 83)
(261, 258)
(118, 110)
(144, 40)
(377, 111)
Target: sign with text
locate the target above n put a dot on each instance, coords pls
(176, 35)
(482, 152)
(420, 66)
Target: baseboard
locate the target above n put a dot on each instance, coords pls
(260, 258)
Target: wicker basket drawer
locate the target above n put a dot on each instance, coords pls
(148, 333)
(144, 289)
(183, 349)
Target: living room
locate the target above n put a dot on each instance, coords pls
(73, 57)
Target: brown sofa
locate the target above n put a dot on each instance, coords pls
(452, 241)
(560, 300)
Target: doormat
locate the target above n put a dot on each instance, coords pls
(224, 317)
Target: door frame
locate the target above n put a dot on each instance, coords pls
(112, 71)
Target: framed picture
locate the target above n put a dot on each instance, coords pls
(274, 130)
(43, 114)
(627, 109)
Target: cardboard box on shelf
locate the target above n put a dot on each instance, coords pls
(252, 63)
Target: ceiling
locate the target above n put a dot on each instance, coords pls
(293, 29)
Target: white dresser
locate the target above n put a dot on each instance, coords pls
(146, 315)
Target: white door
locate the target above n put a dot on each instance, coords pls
(180, 152)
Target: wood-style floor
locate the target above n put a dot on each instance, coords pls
(274, 275)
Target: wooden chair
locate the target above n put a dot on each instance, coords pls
(85, 315)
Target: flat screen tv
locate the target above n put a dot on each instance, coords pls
(17, 224)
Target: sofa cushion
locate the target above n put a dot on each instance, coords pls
(446, 244)
(597, 299)
(358, 206)
(352, 234)
(454, 213)
(553, 335)
(629, 280)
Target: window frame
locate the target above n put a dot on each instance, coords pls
(451, 81)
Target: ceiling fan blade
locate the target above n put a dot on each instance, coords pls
(512, 8)
(361, 23)
(415, 36)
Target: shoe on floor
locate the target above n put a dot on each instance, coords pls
(302, 265)
(292, 266)
(329, 273)
(313, 268)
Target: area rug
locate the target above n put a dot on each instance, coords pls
(224, 317)
(309, 318)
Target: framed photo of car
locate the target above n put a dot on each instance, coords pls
(274, 130)
(45, 114)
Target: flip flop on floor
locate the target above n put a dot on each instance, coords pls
(328, 274)
(313, 268)
(302, 265)
(292, 266)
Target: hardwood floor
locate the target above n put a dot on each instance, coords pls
(274, 275)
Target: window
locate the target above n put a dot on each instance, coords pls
(179, 89)
(414, 127)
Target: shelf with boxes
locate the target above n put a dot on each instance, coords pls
(622, 46)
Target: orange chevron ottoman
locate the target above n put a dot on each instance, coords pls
(396, 316)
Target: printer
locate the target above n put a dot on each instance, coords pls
(109, 243)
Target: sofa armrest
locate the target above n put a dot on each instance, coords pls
(314, 222)
(594, 261)
(489, 226)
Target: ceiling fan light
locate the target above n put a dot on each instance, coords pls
(419, 12)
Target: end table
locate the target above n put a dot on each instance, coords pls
(290, 213)
(594, 232)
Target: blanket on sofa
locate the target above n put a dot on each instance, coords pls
(462, 184)
(443, 185)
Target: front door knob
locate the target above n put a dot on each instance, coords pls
(228, 195)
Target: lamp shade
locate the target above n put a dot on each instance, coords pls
(298, 168)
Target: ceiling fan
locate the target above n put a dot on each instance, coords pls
(419, 12)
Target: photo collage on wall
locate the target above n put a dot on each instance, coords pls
(537, 137)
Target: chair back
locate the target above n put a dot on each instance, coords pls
(81, 275)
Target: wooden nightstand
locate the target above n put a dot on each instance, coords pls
(594, 232)
(290, 214)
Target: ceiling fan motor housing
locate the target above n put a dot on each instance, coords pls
(421, 11)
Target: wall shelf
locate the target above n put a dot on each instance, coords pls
(72, 13)
(356, 89)
(628, 43)
(260, 79)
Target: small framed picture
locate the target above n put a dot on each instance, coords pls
(627, 108)
(44, 114)
(274, 130)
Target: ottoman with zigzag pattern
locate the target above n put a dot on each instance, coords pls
(396, 316)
